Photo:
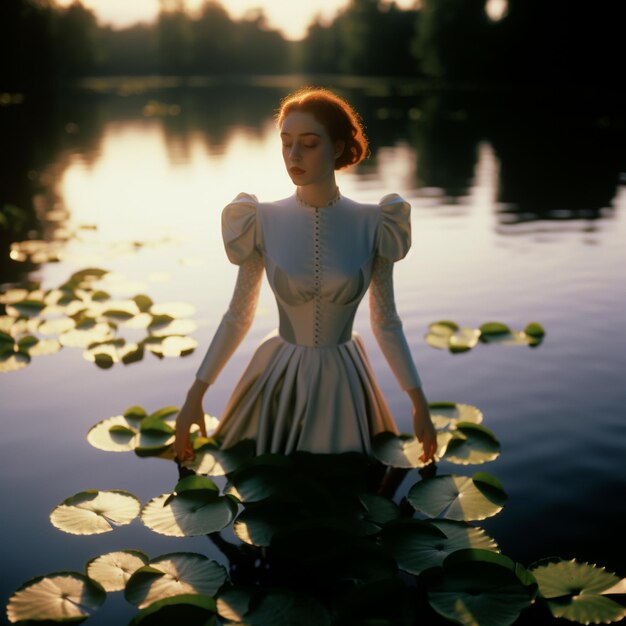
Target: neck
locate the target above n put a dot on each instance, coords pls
(319, 194)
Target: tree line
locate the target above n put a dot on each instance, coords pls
(451, 41)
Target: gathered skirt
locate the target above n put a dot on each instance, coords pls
(317, 399)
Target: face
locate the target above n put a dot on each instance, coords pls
(308, 151)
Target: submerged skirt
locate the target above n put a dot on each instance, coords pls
(316, 399)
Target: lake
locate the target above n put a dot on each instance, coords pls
(518, 214)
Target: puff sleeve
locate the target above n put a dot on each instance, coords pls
(393, 243)
(242, 244)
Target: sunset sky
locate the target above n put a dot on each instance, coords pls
(291, 17)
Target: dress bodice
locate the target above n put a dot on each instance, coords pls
(319, 261)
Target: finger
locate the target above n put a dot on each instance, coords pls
(202, 425)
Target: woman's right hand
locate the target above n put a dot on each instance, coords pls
(191, 413)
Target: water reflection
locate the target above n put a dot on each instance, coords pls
(553, 165)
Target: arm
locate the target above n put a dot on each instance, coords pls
(387, 328)
(230, 333)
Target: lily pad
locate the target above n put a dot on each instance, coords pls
(418, 546)
(171, 346)
(189, 513)
(210, 460)
(56, 326)
(260, 521)
(580, 592)
(60, 597)
(458, 497)
(481, 588)
(446, 415)
(82, 337)
(448, 335)
(13, 361)
(173, 309)
(95, 512)
(472, 444)
(176, 327)
(190, 610)
(404, 450)
(286, 608)
(113, 570)
(174, 574)
(26, 308)
(119, 433)
(45, 347)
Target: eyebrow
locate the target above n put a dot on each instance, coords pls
(283, 134)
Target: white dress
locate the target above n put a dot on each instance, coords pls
(309, 385)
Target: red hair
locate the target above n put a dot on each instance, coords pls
(341, 121)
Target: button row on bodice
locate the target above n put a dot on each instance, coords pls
(316, 276)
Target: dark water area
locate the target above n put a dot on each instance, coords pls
(518, 203)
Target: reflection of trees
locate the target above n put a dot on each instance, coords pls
(42, 133)
(555, 169)
(445, 136)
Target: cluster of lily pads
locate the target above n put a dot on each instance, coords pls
(315, 539)
(448, 335)
(80, 314)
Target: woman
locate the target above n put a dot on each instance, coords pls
(309, 386)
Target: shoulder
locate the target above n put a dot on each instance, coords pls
(239, 228)
(394, 230)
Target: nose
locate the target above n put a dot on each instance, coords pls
(295, 153)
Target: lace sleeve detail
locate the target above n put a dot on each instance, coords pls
(236, 321)
(387, 326)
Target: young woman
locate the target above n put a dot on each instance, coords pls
(309, 385)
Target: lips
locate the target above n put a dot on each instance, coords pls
(296, 171)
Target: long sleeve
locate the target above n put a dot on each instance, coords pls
(236, 321)
(387, 326)
(242, 242)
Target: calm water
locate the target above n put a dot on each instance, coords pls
(516, 216)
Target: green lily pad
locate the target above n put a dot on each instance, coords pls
(494, 329)
(481, 588)
(404, 450)
(13, 361)
(119, 433)
(418, 546)
(286, 608)
(458, 498)
(59, 597)
(175, 574)
(171, 346)
(188, 514)
(210, 460)
(446, 335)
(446, 415)
(173, 309)
(131, 353)
(11, 296)
(45, 347)
(113, 570)
(472, 444)
(143, 302)
(56, 326)
(190, 610)
(379, 510)
(94, 512)
(536, 330)
(580, 592)
(26, 308)
(234, 602)
(140, 321)
(176, 327)
(260, 521)
(83, 337)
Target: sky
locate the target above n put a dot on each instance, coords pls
(290, 16)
